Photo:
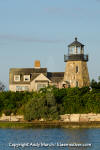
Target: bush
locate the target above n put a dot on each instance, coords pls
(49, 103)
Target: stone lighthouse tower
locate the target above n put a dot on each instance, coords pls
(76, 71)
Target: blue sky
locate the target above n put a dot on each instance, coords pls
(42, 29)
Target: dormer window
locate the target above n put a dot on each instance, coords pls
(27, 78)
(16, 78)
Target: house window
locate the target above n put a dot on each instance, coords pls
(16, 78)
(22, 88)
(76, 69)
(76, 83)
(27, 78)
(39, 86)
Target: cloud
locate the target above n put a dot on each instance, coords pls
(29, 39)
(69, 12)
(55, 10)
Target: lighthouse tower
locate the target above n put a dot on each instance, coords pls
(76, 71)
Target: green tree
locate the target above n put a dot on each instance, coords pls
(94, 84)
(2, 86)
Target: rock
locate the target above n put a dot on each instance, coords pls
(12, 118)
(84, 119)
(65, 118)
(74, 117)
(97, 119)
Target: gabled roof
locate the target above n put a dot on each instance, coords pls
(76, 43)
(55, 76)
(33, 72)
(41, 77)
(28, 70)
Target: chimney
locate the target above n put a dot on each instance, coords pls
(37, 64)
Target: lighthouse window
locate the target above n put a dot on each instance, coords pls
(76, 69)
(76, 83)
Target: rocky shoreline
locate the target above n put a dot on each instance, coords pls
(66, 121)
(69, 118)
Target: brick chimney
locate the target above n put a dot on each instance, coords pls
(37, 64)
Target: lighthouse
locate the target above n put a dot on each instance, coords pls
(76, 70)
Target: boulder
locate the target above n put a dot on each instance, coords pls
(74, 117)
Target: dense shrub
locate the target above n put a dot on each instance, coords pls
(42, 105)
(49, 103)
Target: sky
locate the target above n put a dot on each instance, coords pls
(42, 29)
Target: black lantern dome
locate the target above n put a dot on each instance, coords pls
(76, 43)
(75, 52)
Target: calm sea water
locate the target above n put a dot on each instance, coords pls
(50, 139)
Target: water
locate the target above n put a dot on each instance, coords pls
(50, 136)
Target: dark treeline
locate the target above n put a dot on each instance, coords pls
(50, 103)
